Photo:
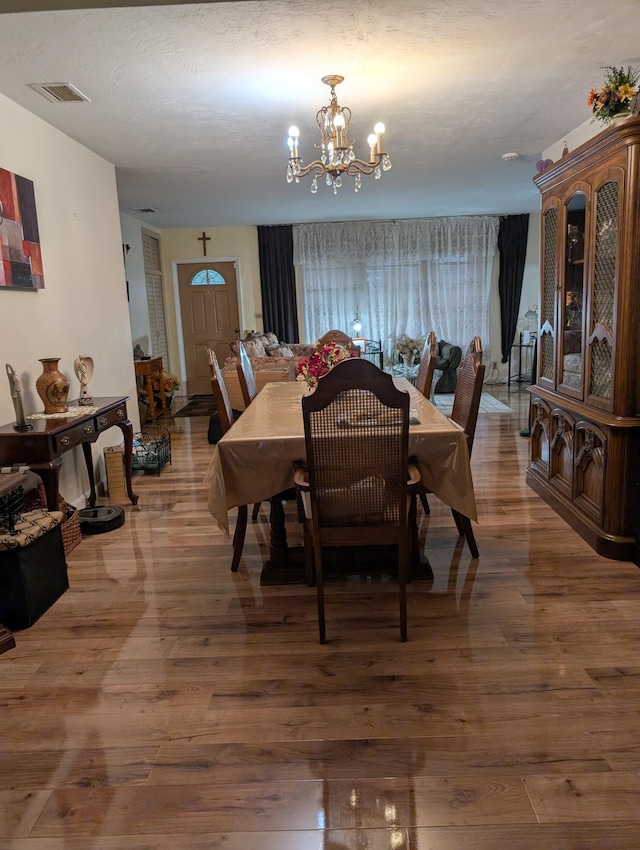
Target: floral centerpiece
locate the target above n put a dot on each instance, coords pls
(322, 361)
(408, 347)
(615, 96)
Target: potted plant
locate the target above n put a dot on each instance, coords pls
(614, 98)
(407, 348)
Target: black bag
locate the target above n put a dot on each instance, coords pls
(215, 431)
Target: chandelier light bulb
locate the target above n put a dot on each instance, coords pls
(337, 156)
(372, 139)
(294, 134)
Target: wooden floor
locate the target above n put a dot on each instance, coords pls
(163, 702)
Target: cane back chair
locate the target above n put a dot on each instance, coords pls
(354, 488)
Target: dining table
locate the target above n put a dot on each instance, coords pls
(255, 460)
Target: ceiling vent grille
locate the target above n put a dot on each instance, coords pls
(146, 210)
(60, 92)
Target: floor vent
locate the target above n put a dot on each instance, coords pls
(60, 92)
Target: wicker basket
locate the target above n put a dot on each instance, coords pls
(71, 534)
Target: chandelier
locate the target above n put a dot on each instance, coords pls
(337, 157)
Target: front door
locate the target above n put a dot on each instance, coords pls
(210, 319)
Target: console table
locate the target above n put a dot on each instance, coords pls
(42, 447)
(147, 369)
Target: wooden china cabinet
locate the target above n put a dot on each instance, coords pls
(585, 428)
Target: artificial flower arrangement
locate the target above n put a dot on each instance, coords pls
(322, 361)
(615, 96)
(408, 347)
(170, 383)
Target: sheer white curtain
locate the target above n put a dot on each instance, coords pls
(409, 276)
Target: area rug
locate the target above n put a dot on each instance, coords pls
(198, 405)
(488, 403)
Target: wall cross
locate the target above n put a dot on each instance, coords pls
(204, 239)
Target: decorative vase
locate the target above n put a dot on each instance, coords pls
(620, 118)
(52, 386)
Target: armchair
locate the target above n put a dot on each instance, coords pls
(447, 361)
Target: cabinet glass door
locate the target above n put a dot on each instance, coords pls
(572, 296)
(604, 286)
(547, 343)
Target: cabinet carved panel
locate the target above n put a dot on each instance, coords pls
(540, 436)
(590, 448)
(561, 451)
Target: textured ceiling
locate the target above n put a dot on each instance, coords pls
(192, 102)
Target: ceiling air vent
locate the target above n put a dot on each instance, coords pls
(59, 92)
(146, 210)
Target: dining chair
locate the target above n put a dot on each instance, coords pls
(226, 417)
(475, 349)
(246, 378)
(354, 487)
(427, 366)
(249, 390)
(424, 385)
(466, 403)
(340, 338)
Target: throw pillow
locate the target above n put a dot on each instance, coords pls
(254, 348)
(278, 350)
(272, 339)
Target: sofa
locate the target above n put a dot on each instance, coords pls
(266, 351)
(271, 360)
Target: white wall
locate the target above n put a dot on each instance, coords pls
(83, 307)
(573, 139)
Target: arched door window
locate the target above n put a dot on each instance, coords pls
(207, 277)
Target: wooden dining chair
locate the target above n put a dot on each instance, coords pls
(225, 414)
(424, 383)
(427, 366)
(354, 487)
(340, 338)
(466, 400)
(475, 349)
(246, 378)
(466, 404)
(249, 390)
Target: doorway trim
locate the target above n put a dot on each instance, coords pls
(176, 299)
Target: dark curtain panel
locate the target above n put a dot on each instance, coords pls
(512, 244)
(277, 281)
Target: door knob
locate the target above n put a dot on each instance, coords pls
(236, 330)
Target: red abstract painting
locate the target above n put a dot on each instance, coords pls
(20, 257)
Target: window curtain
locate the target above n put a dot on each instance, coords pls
(277, 282)
(410, 276)
(512, 244)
